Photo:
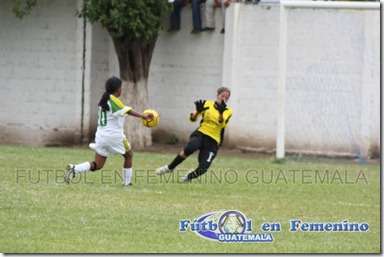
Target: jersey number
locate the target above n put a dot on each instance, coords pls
(103, 118)
(211, 154)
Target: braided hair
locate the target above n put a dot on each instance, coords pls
(111, 85)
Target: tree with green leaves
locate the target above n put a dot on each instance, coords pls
(22, 8)
(133, 26)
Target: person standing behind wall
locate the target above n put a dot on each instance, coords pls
(210, 8)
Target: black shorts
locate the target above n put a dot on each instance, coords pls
(208, 148)
(202, 142)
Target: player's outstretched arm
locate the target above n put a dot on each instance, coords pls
(140, 115)
(199, 109)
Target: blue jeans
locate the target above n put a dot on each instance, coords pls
(175, 14)
(196, 13)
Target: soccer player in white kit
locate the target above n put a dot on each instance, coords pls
(110, 138)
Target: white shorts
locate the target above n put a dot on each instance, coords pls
(107, 145)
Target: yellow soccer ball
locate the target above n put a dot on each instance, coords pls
(153, 122)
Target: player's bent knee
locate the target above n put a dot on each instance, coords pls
(96, 166)
(183, 155)
(188, 150)
(128, 154)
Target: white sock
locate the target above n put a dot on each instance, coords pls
(82, 167)
(127, 174)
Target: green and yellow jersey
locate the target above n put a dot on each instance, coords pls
(209, 124)
(112, 121)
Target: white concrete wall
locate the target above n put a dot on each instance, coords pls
(252, 68)
(332, 88)
(98, 71)
(40, 83)
(41, 67)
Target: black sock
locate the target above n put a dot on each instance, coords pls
(196, 173)
(178, 159)
(192, 175)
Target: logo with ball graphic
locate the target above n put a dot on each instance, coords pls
(225, 226)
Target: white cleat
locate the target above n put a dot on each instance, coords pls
(70, 173)
(185, 179)
(162, 170)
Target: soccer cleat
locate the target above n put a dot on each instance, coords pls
(185, 179)
(70, 173)
(162, 170)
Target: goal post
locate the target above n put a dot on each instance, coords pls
(282, 58)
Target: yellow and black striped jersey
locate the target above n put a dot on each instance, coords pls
(209, 124)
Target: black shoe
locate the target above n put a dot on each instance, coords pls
(208, 29)
(195, 31)
(173, 29)
(222, 31)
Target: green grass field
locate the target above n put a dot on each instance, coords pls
(41, 214)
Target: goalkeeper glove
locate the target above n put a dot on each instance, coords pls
(221, 107)
(200, 106)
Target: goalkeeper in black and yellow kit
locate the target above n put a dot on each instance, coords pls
(207, 137)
